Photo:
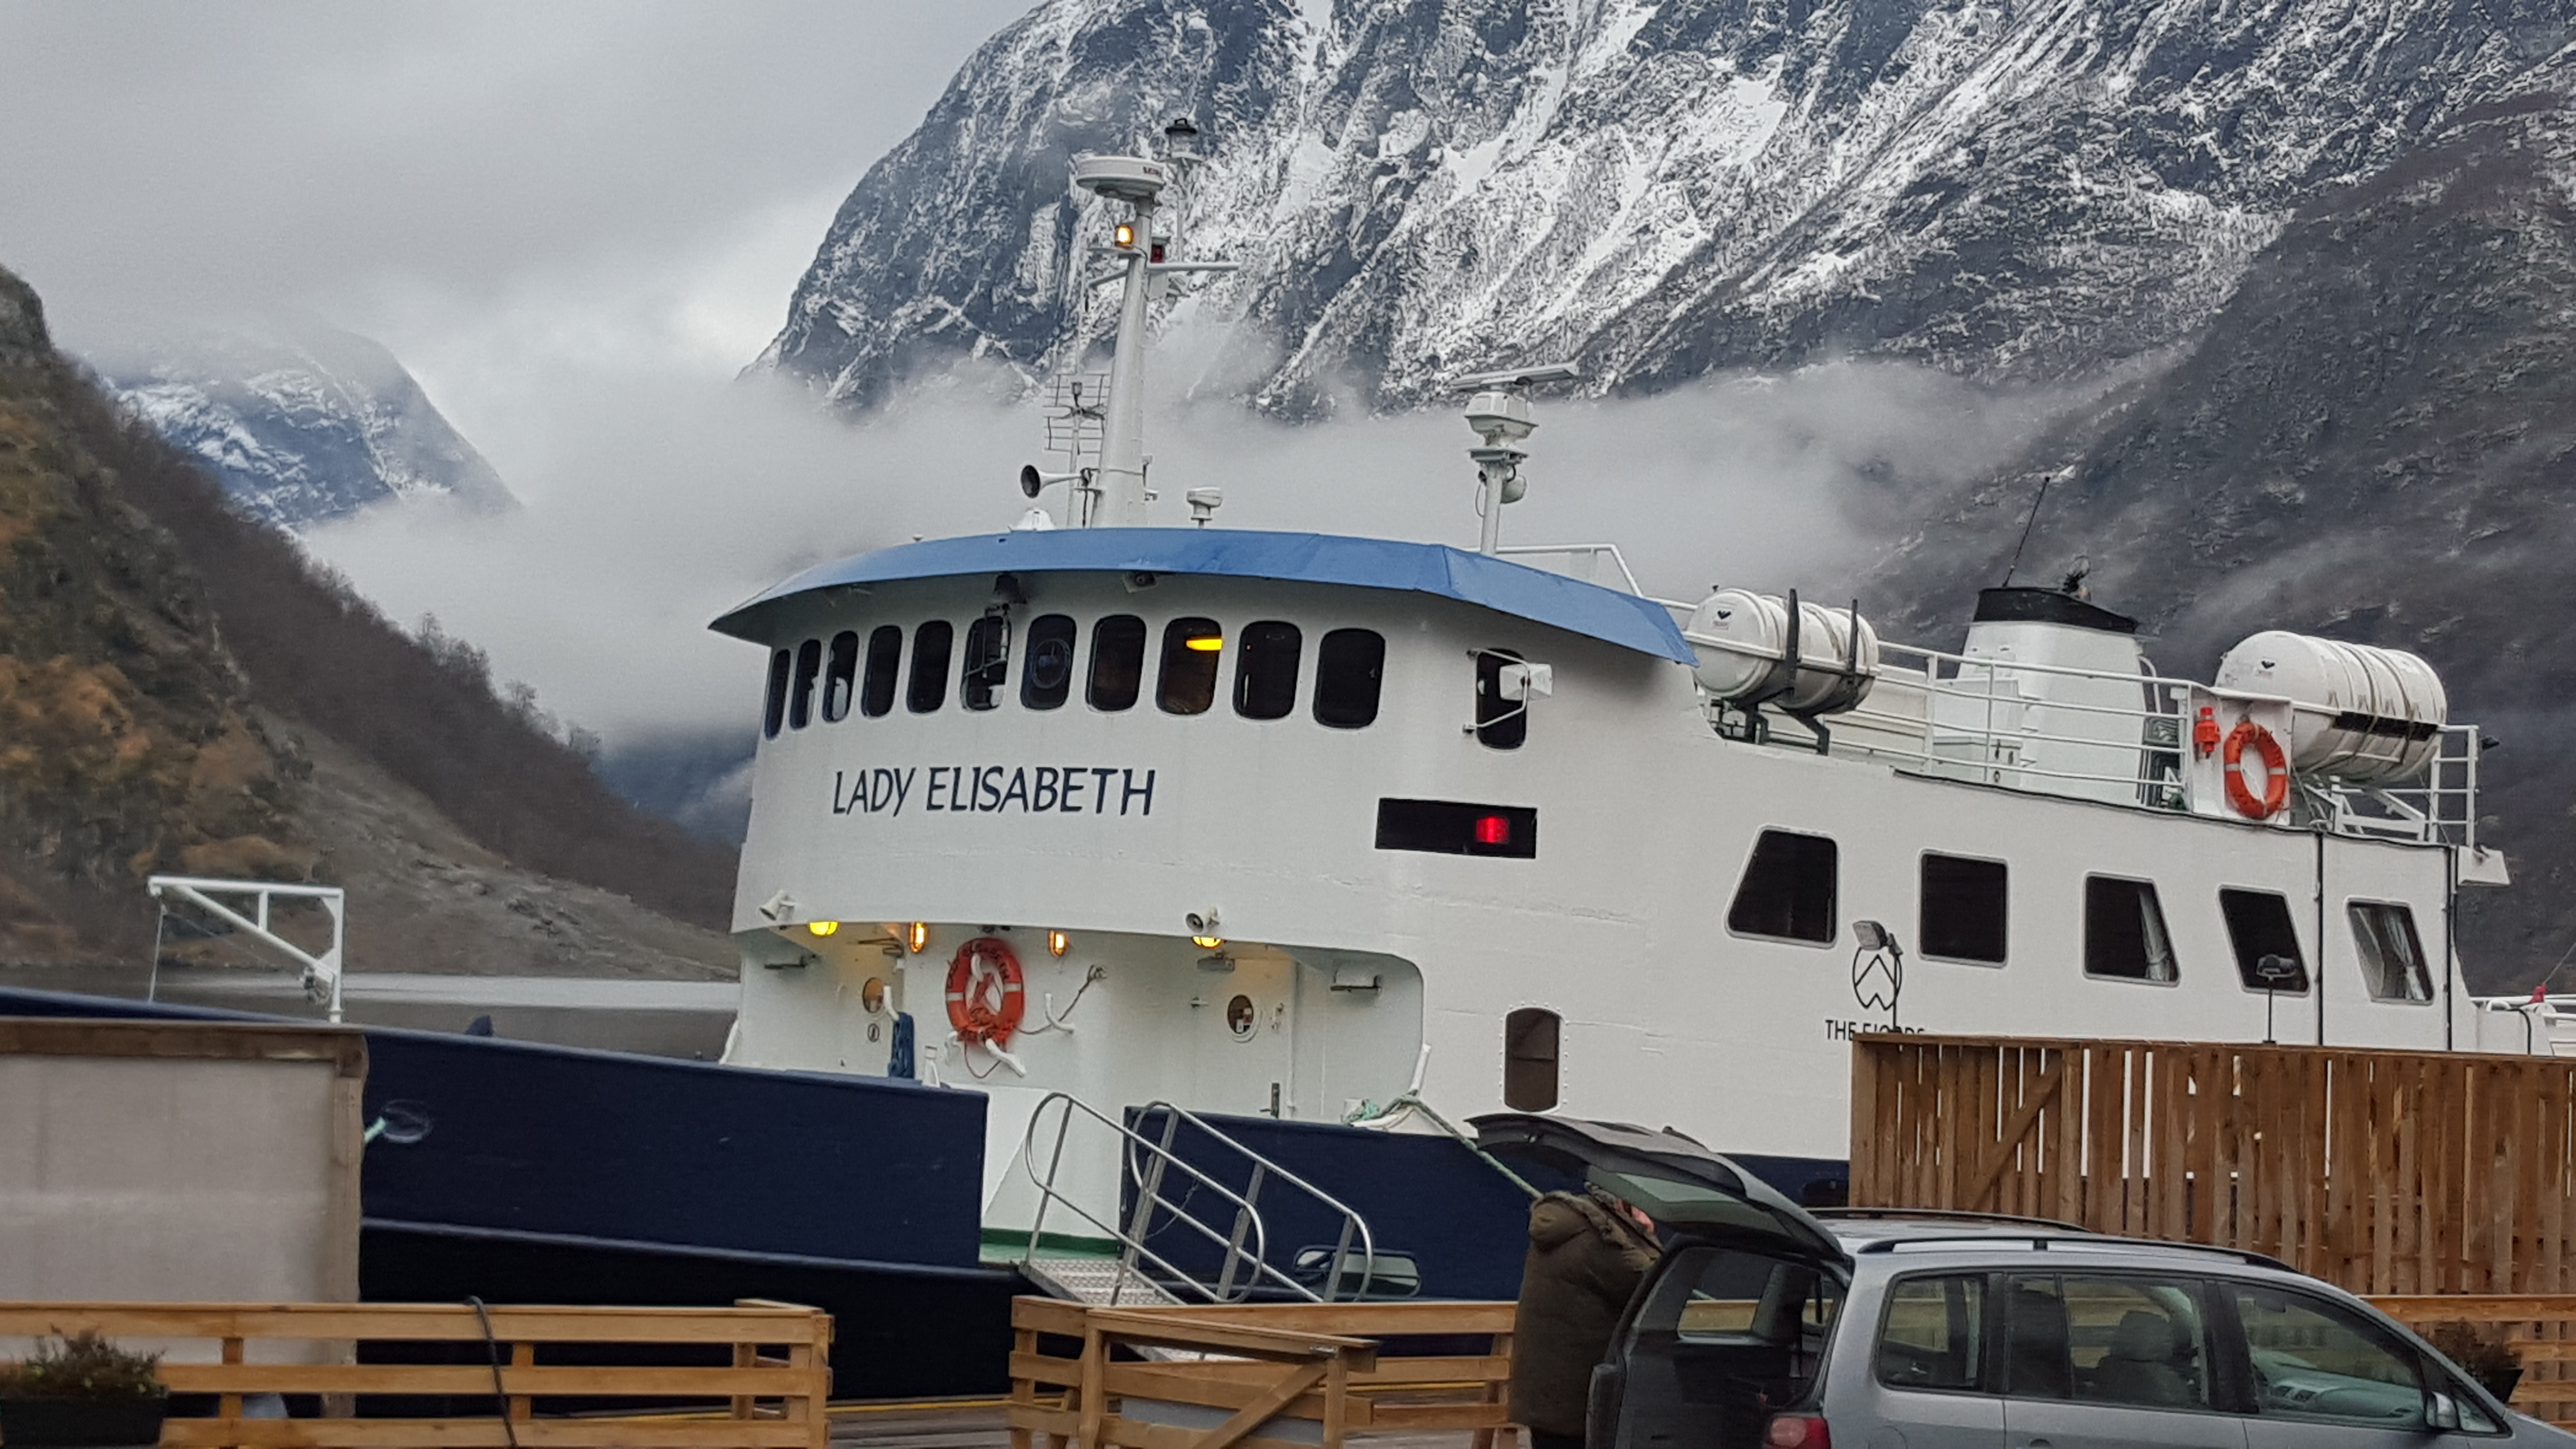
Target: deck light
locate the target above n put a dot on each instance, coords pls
(1058, 943)
(822, 928)
(1208, 943)
(918, 937)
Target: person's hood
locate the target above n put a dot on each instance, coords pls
(1677, 1181)
(1556, 1221)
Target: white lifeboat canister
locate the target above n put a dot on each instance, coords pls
(1741, 637)
(2358, 712)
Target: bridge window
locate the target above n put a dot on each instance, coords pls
(988, 660)
(1350, 668)
(800, 702)
(2124, 931)
(1117, 662)
(2267, 944)
(1046, 677)
(840, 676)
(780, 663)
(2392, 955)
(1788, 889)
(1963, 914)
(1265, 669)
(930, 644)
(1191, 648)
(1530, 1059)
(885, 664)
(1501, 723)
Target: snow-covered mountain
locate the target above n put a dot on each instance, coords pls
(2016, 189)
(303, 423)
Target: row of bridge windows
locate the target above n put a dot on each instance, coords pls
(1789, 887)
(828, 679)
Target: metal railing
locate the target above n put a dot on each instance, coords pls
(1583, 561)
(1243, 1263)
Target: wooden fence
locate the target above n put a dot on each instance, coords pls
(1204, 1377)
(2384, 1172)
(771, 1401)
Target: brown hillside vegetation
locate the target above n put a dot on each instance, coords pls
(159, 656)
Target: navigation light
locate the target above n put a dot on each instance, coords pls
(1493, 830)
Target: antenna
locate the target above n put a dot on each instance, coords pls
(1499, 411)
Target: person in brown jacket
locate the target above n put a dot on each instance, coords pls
(1587, 1254)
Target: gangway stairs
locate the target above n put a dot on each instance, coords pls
(1166, 1186)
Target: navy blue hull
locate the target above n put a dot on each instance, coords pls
(537, 1173)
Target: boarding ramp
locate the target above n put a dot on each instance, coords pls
(1183, 1231)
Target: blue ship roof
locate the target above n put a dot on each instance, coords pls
(1315, 558)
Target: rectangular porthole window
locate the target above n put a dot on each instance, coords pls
(782, 663)
(1530, 1040)
(1788, 889)
(840, 676)
(1450, 827)
(2267, 944)
(1265, 669)
(1046, 674)
(885, 665)
(988, 660)
(1501, 724)
(800, 701)
(1191, 649)
(1117, 662)
(1964, 909)
(2392, 955)
(1350, 669)
(930, 645)
(2124, 931)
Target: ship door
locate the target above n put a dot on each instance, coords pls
(1246, 1020)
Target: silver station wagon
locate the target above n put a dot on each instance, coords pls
(1769, 1325)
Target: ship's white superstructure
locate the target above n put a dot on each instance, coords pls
(1289, 824)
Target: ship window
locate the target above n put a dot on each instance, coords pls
(1265, 669)
(840, 676)
(1500, 723)
(1963, 916)
(1529, 1059)
(2124, 931)
(988, 660)
(2392, 955)
(1046, 676)
(1117, 662)
(1350, 665)
(775, 714)
(1191, 648)
(2258, 926)
(929, 666)
(885, 663)
(1788, 889)
(800, 702)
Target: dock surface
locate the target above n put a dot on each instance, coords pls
(981, 1425)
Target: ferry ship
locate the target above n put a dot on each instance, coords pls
(1114, 809)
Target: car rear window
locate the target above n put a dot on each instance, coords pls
(1755, 1324)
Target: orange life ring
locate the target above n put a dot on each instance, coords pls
(986, 995)
(2276, 771)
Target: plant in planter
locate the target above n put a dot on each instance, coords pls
(2480, 1349)
(81, 1391)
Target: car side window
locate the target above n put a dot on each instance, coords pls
(2137, 1341)
(2319, 1362)
(1934, 1337)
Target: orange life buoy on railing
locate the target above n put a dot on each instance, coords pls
(985, 991)
(2276, 771)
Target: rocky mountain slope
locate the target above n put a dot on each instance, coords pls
(303, 423)
(180, 691)
(1657, 188)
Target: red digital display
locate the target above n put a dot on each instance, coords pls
(1493, 830)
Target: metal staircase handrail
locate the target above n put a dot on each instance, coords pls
(1245, 1248)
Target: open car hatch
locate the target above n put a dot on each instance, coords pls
(1677, 1181)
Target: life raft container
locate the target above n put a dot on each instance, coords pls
(986, 992)
(2276, 771)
